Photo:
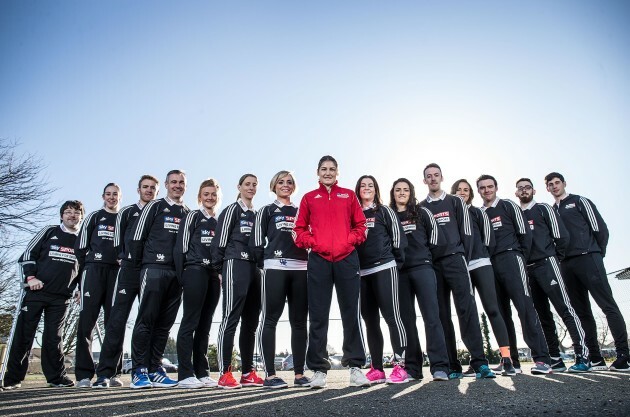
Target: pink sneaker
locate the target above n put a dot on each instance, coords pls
(398, 375)
(375, 376)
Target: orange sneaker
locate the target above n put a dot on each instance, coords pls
(227, 381)
(251, 380)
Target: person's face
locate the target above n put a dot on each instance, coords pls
(111, 197)
(556, 187)
(209, 197)
(248, 187)
(175, 186)
(71, 218)
(401, 193)
(463, 190)
(525, 192)
(366, 190)
(433, 179)
(487, 190)
(285, 187)
(148, 190)
(327, 173)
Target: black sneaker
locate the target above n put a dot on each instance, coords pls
(302, 382)
(274, 383)
(498, 369)
(621, 364)
(63, 382)
(517, 366)
(598, 364)
(557, 365)
(508, 368)
(101, 382)
(470, 372)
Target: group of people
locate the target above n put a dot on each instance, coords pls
(379, 258)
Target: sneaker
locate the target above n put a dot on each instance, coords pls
(508, 368)
(470, 372)
(7, 386)
(101, 382)
(302, 382)
(598, 364)
(318, 380)
(398, 375)
(557, 365)
(251, 380)
(84, 383)
(227, 381)
(64, 382)
(414, 376)
(275, 383)
(116, 382)
(498, 369)
(484, 371)
(208, 382)
(541, 368)
(190, 383)
(581, 365)
(455, 375)
(160, 379)
(376, 376)
(440, 376)
(140, 379)
(621, 364)
(357, 379)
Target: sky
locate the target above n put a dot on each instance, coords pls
(107, 91)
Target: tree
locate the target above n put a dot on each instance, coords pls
(561, 331)
(171, 346)
(491, 354)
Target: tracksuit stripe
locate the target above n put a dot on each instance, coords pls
(472, 291)
(402, 335)
(258, 233)
(115, 287)
(590, 213)
(143, 219)
(142, 285)
(523, 275)
(228, 294)
(520, 221)
(263, 313)
(186, 238)
(117, 231)
(555, 229)
(395, 227)
(227, 225)
(27, 252)
(83, 242)
(486, 228)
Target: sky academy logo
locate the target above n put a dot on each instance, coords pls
(160, 257)
(122, 291)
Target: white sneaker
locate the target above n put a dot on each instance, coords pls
(84, 383)
(358, 379)
(208, 382)
(116, 382)
(318, 380)
(190, 383)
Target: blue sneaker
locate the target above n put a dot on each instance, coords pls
(140, 379)
(161, 380)
(275, 383)
(455, 375)
(484, 371)
(581, 365)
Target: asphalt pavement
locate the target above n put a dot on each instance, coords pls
(593, 394)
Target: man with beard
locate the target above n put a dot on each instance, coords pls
(549, 241)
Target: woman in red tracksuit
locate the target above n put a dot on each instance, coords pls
(331, 224)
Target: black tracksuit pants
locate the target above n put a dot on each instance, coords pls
(547, 284)
(241, 301)
(380, 291)
(160, 297)
(452, 276)
(201, 292)
(97, 289)
(31, 309)
(586, 274)
(512, 284)
(278, 285)
(421, 283)
(344, 275)
(484, 282)
(126, 290)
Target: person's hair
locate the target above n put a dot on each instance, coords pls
(241, 180)
(326, 158)
(412, 205)
(210, 182)
(431, 165)
(377, 191)
(456, 186)
(72, 204)
(524, 179)
(174, 171)
(148, 177)
(111, 184)
(486, 177)
(278, 177)
(553, 175)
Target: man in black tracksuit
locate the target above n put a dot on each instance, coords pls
(49, 273)
(513, 245)
(549, 241)
(584, 272)
(451, 267)
(95, 251)
(126, 288)
(151, 247)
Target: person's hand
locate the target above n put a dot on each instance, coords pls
(34, 284)
(77, 297)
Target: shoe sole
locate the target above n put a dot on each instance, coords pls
(191, 386)
(578, 371)
(251, 384)
(160, 385)
(318, 386)
(55, 386)
(132, 386)
(440, 379)
(541, 373)
(404, 381)
(469, 375)
(100, 386)
(378, 381)
(559, 369)
(226, 387)
(275, 386)
(612, 368)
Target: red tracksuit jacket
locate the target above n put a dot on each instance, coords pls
(331, 223)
